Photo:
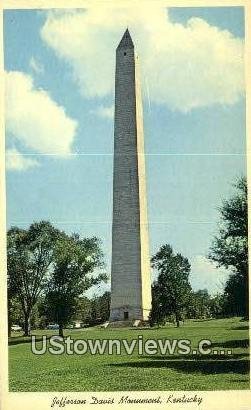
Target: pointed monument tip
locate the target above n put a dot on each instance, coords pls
(126, 41)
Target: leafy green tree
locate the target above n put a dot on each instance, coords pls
(75, 260)
(230, 248)
(235, 296)
(83, 309)
(94, 310)
(172, 283)
(202, 305)
(158, 313)
(202, 302)
(15, 315)
(29, 256)
(192, 308)
(102, 306)
(16, 262)
(217, 306)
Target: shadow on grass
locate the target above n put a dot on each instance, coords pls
(206, 357)
(203, 320)
(214, 365)
(246, 327)
(24, 339)
(243, 343)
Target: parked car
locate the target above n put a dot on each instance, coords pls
(16, 328)
(53, 326)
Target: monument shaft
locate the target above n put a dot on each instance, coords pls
(130, 277)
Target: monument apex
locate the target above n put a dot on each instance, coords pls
(126, 41)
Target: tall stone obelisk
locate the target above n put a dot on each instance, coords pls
(130, 276)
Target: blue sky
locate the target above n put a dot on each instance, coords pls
(59, 139)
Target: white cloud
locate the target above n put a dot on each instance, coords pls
(205, 275)
(35, 119)
(186, 66)
(18, 162)
(36, 66)
(105, 112)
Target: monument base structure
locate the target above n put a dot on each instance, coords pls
(130, 273)
(128, 314)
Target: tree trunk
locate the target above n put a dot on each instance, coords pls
(246, 314)
(61, 330)
(9, 326)
(26, 324)
(177, 320)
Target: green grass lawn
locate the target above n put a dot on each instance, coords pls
(28, 372)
